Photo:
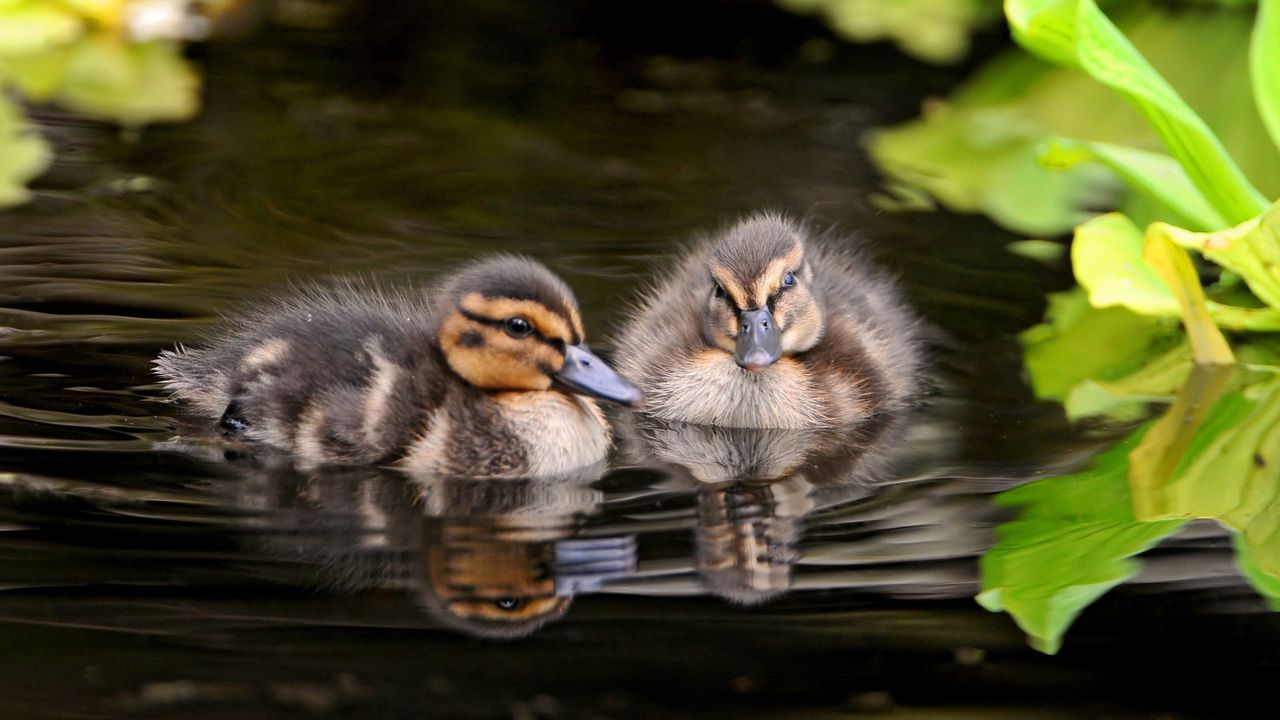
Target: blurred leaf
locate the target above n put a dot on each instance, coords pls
(979, 151)
(1070, 544)
(985, 159)
(35, 26)
(132, 84)
(1251, 249)
(1264, 66)
(1157, 175)
(1076, 33)
(1208, 346)
(933, 30)
(1079, 342)
(1043, 251)
(23, 154)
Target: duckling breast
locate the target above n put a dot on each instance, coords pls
(709, 388)
(510, 434)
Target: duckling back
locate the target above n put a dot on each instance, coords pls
(839, 343)
(488, 379)
(340, 375)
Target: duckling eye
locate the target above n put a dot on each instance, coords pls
(718, 292)
(788, 280)
(518, 327)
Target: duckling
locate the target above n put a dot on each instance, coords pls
(486, 376)
(767, 326)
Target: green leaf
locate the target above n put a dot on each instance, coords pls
(1125, 398)
(23, 154)
(1266, 584)
(1156, 175)
(1077, 33)
(985, 159)
(1080, 342)
(1227, 470)
(1070, 544)
(1208, 346)
(1264, 66)
(1251, 249)
(1106, 255)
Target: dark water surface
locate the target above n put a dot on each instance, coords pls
(145, 572)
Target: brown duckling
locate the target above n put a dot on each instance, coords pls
(486, 376)
(765, 325)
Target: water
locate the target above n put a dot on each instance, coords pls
(147, 572)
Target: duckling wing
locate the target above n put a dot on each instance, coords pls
(332, 374)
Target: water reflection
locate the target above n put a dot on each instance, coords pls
(490, 558)
(754, 488)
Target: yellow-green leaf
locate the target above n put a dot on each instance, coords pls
(130, 83)
(1106, 255)
(1251, 249)
(23, 154)
(1208, 346)
(34, 27)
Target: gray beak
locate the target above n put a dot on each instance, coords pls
(587, 374)
(759, 340)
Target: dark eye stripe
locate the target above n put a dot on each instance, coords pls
(557, 345)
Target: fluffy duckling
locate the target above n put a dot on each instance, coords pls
(486, 377)
(766, 326)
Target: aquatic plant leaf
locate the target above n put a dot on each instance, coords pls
(23, 154)
(1125, 398)
(1155, 459)
(32, 27)
(1070, 544)
(1208, 346)
(931, 30)
(1079, 342)
(979, 150)
(1106, 255)
(1156, 175)
(1077, 33)
(1251, 249)
(130, 83)
(985, 160)
(1268, 586)
(1264, 66)
(1222, 463)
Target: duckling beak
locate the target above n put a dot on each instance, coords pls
(759, 340)
(585, 373)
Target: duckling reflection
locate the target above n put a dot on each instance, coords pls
(492, 559)
(754, 488)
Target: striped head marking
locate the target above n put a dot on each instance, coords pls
(760, 304)
(512, 325)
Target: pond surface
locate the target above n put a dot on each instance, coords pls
(148, 572)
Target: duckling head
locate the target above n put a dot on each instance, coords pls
(760, 302)
(509, 324)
